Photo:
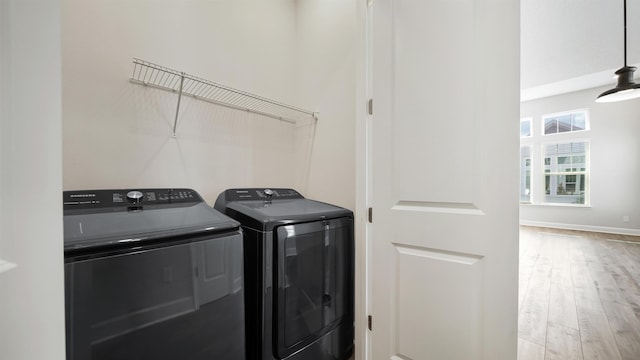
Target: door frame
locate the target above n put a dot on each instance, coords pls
(362, 179)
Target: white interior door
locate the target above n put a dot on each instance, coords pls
(444, 185)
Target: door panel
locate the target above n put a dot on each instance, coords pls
(455, 303)
(444, 179)
(417, 116)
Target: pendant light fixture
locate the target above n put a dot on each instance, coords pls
(626, 88)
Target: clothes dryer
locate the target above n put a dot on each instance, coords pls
(299, 273)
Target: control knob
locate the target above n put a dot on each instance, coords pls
(135, 197)
(268, 193)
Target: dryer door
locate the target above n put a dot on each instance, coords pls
(314, 282)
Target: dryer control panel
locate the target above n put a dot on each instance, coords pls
(88, 199)
(261, 194)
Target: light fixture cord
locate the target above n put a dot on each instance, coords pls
(625, 33)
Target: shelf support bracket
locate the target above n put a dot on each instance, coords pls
(175, 121)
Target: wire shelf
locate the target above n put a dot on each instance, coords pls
(161, 77)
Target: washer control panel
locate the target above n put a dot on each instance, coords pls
(261, 194)
(84, 199)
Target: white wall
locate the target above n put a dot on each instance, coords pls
(565, 39)
(326, 82)
(118, 134)
(31, 295)
(615, 164)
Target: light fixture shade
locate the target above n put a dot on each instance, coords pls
(626, 88)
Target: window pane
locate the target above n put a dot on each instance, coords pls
(551, 149)
(550, 126)
(564, 123)
(579, 122)
(571, 188)
(547, 183)
(525, 174)
(525, 128)
(565, 173)
(564, 148)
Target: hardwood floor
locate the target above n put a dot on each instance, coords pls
(579, 295)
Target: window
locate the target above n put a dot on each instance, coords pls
(565, 122)
(565, 172)
(554, 162)
(525, 127)
(525, 174)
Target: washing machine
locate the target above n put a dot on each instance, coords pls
(299, 274)
(151, 274)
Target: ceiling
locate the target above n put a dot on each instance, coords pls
(569, 45)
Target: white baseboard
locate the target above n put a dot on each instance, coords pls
(600, 229)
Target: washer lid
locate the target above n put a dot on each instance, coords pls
(265, 215)
(101, 224)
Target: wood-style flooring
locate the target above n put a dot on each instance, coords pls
(579, 296)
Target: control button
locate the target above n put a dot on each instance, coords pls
(151, 196)
(134, 197)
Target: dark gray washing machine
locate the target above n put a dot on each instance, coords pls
(151, 274)
(299, 274)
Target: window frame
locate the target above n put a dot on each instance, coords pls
(537, 141)
(544, 117)
(587, 172)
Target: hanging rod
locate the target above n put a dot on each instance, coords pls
(164, 78)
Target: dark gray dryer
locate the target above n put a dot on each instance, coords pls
(299, 274)
(151, 274)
